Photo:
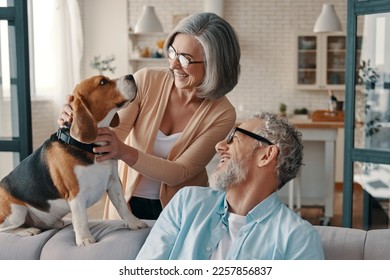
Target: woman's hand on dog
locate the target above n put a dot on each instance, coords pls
(66, 116)
(114, 148)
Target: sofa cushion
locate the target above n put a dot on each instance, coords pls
(377, 245)
(17, 247)
(114, 242)
(342, 243)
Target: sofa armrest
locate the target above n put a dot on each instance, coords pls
(342, 243)
(377, 245)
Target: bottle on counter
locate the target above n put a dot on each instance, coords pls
(332, 102)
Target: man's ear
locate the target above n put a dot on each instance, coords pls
(84, 127)
(267, 155)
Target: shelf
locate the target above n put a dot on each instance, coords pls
(320, 62)
(147, 59)
(132, 34)
(143, 47)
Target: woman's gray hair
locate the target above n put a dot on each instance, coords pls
(221, 52)
(289, 142)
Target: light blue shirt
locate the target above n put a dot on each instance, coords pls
(195, 220)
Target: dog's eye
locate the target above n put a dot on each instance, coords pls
(103, 82)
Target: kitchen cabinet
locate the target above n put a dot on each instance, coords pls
(320, 62)
(145, 49)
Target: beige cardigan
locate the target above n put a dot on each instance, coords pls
(185, 165)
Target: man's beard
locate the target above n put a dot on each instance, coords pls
(228, 177)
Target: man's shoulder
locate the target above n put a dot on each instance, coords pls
(294, 222)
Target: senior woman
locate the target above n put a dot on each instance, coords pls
(167, 135)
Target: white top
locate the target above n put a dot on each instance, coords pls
(149, 188)
(236, 222)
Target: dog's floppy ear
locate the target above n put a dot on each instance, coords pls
(84, 127)
(115, 121)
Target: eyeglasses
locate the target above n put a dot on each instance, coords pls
(184, 61)
(230, 137)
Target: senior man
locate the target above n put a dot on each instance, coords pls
(240, 216)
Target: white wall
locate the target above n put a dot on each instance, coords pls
(267, 31)
(105, 33)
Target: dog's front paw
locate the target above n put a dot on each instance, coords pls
(135, 223)
(85, 241)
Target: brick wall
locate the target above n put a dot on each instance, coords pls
(267, 30)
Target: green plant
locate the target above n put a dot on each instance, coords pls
(301, 111)
(367, 73)
(282, 108)
(103, 65)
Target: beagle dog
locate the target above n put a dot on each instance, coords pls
(62, 175)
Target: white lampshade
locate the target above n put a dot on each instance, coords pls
(214, 6)
(148, 21)
(328, 20)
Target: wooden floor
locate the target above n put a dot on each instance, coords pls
(314, 214)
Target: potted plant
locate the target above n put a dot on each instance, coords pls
(301, 113)
(282, 110)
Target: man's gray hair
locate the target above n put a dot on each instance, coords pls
(289, 142)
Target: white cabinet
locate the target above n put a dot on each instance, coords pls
(320, 61)
(145, 50)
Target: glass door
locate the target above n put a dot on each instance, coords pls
(367, 127)
(15, 108)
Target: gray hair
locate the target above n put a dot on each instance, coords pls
(221, 52)
(289, 142)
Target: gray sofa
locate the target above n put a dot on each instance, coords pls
(114, 242)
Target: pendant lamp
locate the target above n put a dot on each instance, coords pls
(328, 20)
(148, 21)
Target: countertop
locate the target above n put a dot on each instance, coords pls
(308, 123)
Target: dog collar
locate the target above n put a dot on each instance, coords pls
(64, 135)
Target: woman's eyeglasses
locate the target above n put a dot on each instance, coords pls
(184, 61)
(230, 137)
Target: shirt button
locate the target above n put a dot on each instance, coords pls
(224, 227)
(208, 249)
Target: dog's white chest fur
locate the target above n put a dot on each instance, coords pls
(94, 180)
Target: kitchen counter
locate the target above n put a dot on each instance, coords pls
(301, 123)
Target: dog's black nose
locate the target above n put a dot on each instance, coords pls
(129, 77)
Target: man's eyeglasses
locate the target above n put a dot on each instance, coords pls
(230, 137)
(184, 61)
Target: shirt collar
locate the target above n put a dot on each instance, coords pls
(264, 208)
(258, 213)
